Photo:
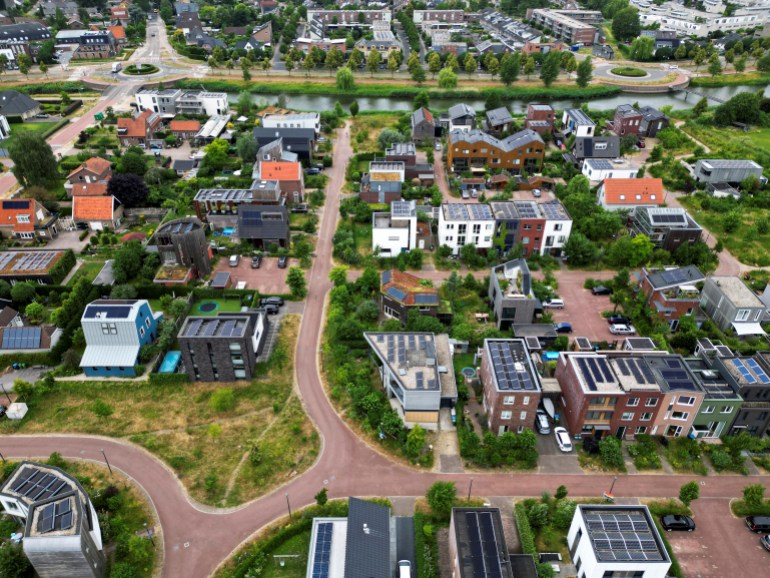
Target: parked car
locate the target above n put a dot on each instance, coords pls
(438, 146)
(234, 260)
(271, 309)
(765, 541)
(562, 439)
(562, 327)
(301, 208)
(466, 195)
(312, 171)
(42, 115)
(554, 304)
(758, 524)
(677, 522)
(282, 262)
(278, 301)
(537, 193)
(256, 261)
(640, 143)
(2, 410)
(541, 422)
(601, 290)
(622, 329)
(618, 318)
(673, 66)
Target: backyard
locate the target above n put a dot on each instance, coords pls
(37, 127)
(367, 127)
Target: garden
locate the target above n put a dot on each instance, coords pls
(644, 452)
(140, 69)
(606, 455)
(630, 71)
(685, 455)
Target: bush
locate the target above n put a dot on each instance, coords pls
(645, 453)
(222, 400)
(610, 453)
(630, 71)
(526, 536)
(101, 408)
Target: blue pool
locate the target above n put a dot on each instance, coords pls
(228, 232)
(170, 362)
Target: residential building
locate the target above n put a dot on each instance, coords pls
(540, 118)
(263, 33)
(640, 551)
(320, 21)
(653, 121)
(417, 373)
(187, 22)
(295, 120)
(462, 224)
(477, 545)
(325, 44)
(721, 404)
(668, 38)
(476, 150)
(537, 228)
(556, 230)
(750, 378)
(24, 33)
(685, 21)
(627, 120)
(212, 128)
(575, 121)
(39, 266)
(395, 232)
(565, 25)
(300, 141)
(139, 130)
(27, 219)
(274, 163)
(672, 292)
(181, 7)
(62, 536)
(667, 228)
(89, 44)
(404, 152)
(423, 126)
(98, 212)
(604, 51)
(115, 330)
(203, 102)
(184, 251)
(161, 101)
(383, 41)
(597, 170)
(511, 385)
(511, 295)
(459, 117)
(732, 305)
(264, 226)
(9, 317)
(380, 187)
(98, 189)
(541, 47)
(220, 207)
(498, 121)
(184, 129)
(619, 194)
(596, 147)
(94, 170)
(120, 15)
(723, 171)
(402, 292)
(434, 18)
(222, 348)
(681, 399)
(17, 104)
(119, 34)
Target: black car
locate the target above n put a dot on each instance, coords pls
(563, 327)
(301, 208)
(271, 309)
(277, 301)
(601, 290)
(765, 541)
(618, 319)
(677, 522)
(256, 261)
(2, 410)
(282, 262)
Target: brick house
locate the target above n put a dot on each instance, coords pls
(140, 129)
(672, 292)
(94, 170)
(627, 120)
(184, 129)
(540, 118)
(289, 177)
(99, 212)
(682, 396)
(423, 126)
(27, 219)
(476, 150)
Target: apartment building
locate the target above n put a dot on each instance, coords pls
(462, 224)
(689, 21)
(538, 228)
(511, 295)
(428, 19)
(567, 25)
(750, 378)
(668, 228)
(672, 292)
(476, 150)
(732, 305)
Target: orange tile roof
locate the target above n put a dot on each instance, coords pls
(408, 284)
(428, 115)
(280, 171)
(119, 12)
(96, 165)
(135, 127)
(118, 32)
(184, 125)
(633, 191)
(11, 208)
(90, 189)
(93, 208)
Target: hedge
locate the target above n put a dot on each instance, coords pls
(48, 132)
(425, 548)
(676, 569)
(59, 271)
(169, 378)
(526, 536)
(41, 358)
(49, 87)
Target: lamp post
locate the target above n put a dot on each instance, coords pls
(288, 505)
(6, 393)
(2, 458)
(615, 479)
(106, 461)
(470, 487)
(149, 534)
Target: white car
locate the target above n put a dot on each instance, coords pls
(562, 439)
(622, 329)
(554, 304)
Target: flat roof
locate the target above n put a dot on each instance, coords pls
(623, 534)
(466, 212)
(633, 373)
(214, 327)
(16, 263)
(736, 291)
(511, 365)
(747, 371)
(594, 373)
(481, 548)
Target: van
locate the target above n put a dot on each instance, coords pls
(404, 569)
(758, 524)
(117, 67)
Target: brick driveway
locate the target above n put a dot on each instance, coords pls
(268, 279)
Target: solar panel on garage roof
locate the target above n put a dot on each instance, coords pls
(21, 337)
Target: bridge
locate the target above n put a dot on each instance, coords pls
(690, 91)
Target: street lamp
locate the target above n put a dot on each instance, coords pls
(2, 458)
(470, 487)
(149, 534)
(106, 461)
(615, 479)
(6, 393)
(288, 505)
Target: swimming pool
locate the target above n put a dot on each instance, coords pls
(170, 362)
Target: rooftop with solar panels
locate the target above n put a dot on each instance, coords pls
(32, 482)
(407, 289)
(623, 534)
(673, 373)
(213, 327)
(511, 365)
(466, 212)
(634, 374)
(57, 517)
(481, 548)
(748, 371)
(594, 373)
(15, 263)
(112, 309)
(710, 380)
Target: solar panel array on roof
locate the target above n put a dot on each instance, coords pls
(510, 366)
(595, 370)
(457, 212)
(676, 375)
(480, 212)
(385, 278)
(600, 164)
(485, 555)
(527, 210)
(21, 337)
(553, 210)
(34, 261)
(751, 371)
(55, 517)
(323, 545)
(15, 205)
(107, 312)
(401, 209)
(658, 218)
(396, 293)
(675, 276)
(533, 343)
(637, 368)
(36, 484)
(623, 536)
(426, 299)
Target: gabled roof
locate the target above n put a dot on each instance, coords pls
(280, 171)
(118, 32)
(12, 208)
(137, 127)
(633, 191)
(96, 165)
(407, 289)
(91, 208)
(184, 126)
(367, 547)
(98, 189)
(13, 102)
(459, 110)
(499, 116)
(515, 141)
(119, 12)
(422, 114)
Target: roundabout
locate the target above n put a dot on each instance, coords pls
(629, 71)
(140, 69)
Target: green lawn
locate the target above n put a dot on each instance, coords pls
(89, 270)
(38, 127)
(224, 306)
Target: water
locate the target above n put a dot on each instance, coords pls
(680, 100)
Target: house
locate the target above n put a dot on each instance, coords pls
(300, 141)
(459, 117)
(88, 44)
(184, 129)
(510, 294)
(750, 378)
(383, 41)
(722, 170)
(264, 225)
(627, 120)
(402, 292)
(395, 232)
(89, 189)
(267, 6)
(417, 373)
(477, 544)
(184, 251)
(222, 348)
(499, 121)
(120, 15)
(511, 385)
(17, 104)
(24, 32)
(682, 397)
(99, 212)
(597, 170)
(672, 292)
(597, 147)
(274, 163)
(575, 121)
(182, 7)
(62, 536)
(732, 305)
(604, 51)
(617, 194)
(115, 330)
(536, 228)
(38, 266)
(653, 121)
(27, 219)
(667, 228)
(119, 34)
(557, 229)
(203, 102)
(139, 130)
(94, 170)
(9, 317)
(325, 44)
(461, 224)
(160, 101)
(571, 26)
(423, 126)
(220, 207)
(263, 34)
(188, 22)
(641, 552)
(540, 118)
(381, 187)
(404, 152)
(477, 151)
(311, 120)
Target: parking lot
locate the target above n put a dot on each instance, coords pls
(268, 279)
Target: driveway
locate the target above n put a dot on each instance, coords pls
(551, 460)
(68, 240)
(268, 279)
(582, 309)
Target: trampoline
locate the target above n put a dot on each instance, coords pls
(208, 307)
(468, 372)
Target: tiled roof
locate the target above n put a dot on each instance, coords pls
(118, 32)
(184, 126)
(630, 188)
(423, 114)
(404, 288)
(90, 189)
(508, 144)
(96, 165)
(137, 127)
(93, 208)
(280, 171)
(11, 209)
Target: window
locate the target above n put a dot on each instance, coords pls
(627, 416)
(742, 315)
(727, 409)
(147, 322)
(646, 416)
(509, 400)
(109, 329)
(680, 415)
(523, 416)
(22, 218)
(141, 332)
(526, 400)
(640, 430)
(686, 400)
(506, 415)
(652, 402)
(632, 402)
(708, 409)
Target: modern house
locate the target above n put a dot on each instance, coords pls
(510, 293)
(462, 224)
(498, 121)
(540, 118)
(638, 551)
(27, 219)
(94, 170)
(681, 395)
(275, 163)
(17, 104)
(264, 225)
(162, 101)
(477, 545)
(98, 212)
(672, 292)
(653, 121)
(619, 194)
(423, 126)
(88, 44)
(733, 172)
(668, 228)
(184, 251)
(597, 170)
(511, 385)
(406, 152)
(417, 373)
(38, 266)
(575, 121)
(459, 117)
(627, 120)
(596, 147)
(537, 228)
(222, 348)
(395, 232)
(115, 330)
(139, 130)
(475, 150)
(300, 141)
(604, 51)
(62, 536)
(402, 292)
(750, 378)
(310, 120)
(732, 305)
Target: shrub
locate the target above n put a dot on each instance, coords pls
(610, 453)
(630, 71)
(222, 400)
(526, 536)
(645, 453)
(562, 515)
(101, 408)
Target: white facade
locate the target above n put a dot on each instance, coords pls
(395, 232)
(462, 224)
(596, 170)
(555, 235)
(673, 16)
(300, 120)
(576, 122)
(213, 103)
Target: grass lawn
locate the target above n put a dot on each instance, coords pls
(38, 127)
(371, 126)
(298, 545)
(223, 305)
(203, 446)
(89, 270)
(733, 143)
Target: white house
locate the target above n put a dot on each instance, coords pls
(596, 170)
(395, 232)
(576, 122)
(465, 224)
(616, 541)
(298, 120)
(557, 229)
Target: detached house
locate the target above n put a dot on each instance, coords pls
(138, 130)
(672, 292)
(596, 147)
(653, 121)
(423, 126)
(17, 104)
(98, 212)
(732, 305)
(402, 292)
(575, 121)
(627, 120)
(624, 194)
(94, 170)
(540, 118)
(498, 121)
(459, 117)
(184, 129)
(667, 228)
(27, 219)
(510, 293)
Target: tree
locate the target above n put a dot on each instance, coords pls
(245, 69)
(421, 100)
(216, 154)
(413, 62)
(699, 58)
(288, 63)
(418, 74)
(580, 249)
(35, 311)
(509, 68)
(334, 59)
(763, 64)
(447, 78)
(129, 189)
(715, 65)
(389, 136)
(22, 293)
(44, 69)
(345, 80)
(630, 252)
(309, 63)
(561, 492)
(296, 282)
(14, 562)
(441, 497)
(550, 69)
(643, 49)
(393, 64)
(33, 160)
(373, 61)
(626, 25)
(700, 107)
(247, 147)
(754, 496)
(740, 64)
(245, 103)
(529, 67)
(356, 58)
(585, 72)
(415, 442)
(470, 64)
(434, 63)
(126, 291)
(681, 52)
(353, 108)
(133, 161)
(322, 497)
(689, 492)
(338, 275)
(493, 66)
(128, 261)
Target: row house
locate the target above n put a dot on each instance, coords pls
(406, 153)
(566, 25)
(672, 292)
(476, 150)
(596, 147)
(462, 224)
(383, 41)
(439, 18)
(325, 44)
(750, 377)
(537, 228)
(653, 121)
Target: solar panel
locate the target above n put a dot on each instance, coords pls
(396, 293)
(63, 507)
(386, 275)
(621, 363)
(426, 299)
(586, 373)
(323, 543)
(15, 204)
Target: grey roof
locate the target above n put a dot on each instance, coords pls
(367, 547)
(511, 366)
(106, 275)
(730, 164)
(586, 147)
(651, 114)
(467, 212)
(481, 548)
(113, 309)
(542, 107)
(739, 294)
(638, 539)
(215, 327)
(183, 164)
(459, 110)
(499, 116)
(13, 102)
(419, 116)
(516, 140)
(675, 277)
(400, 149)
(579, 117)
(626, 110)
(27, 31)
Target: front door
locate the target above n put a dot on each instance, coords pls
(621, 432)
(502, 429)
